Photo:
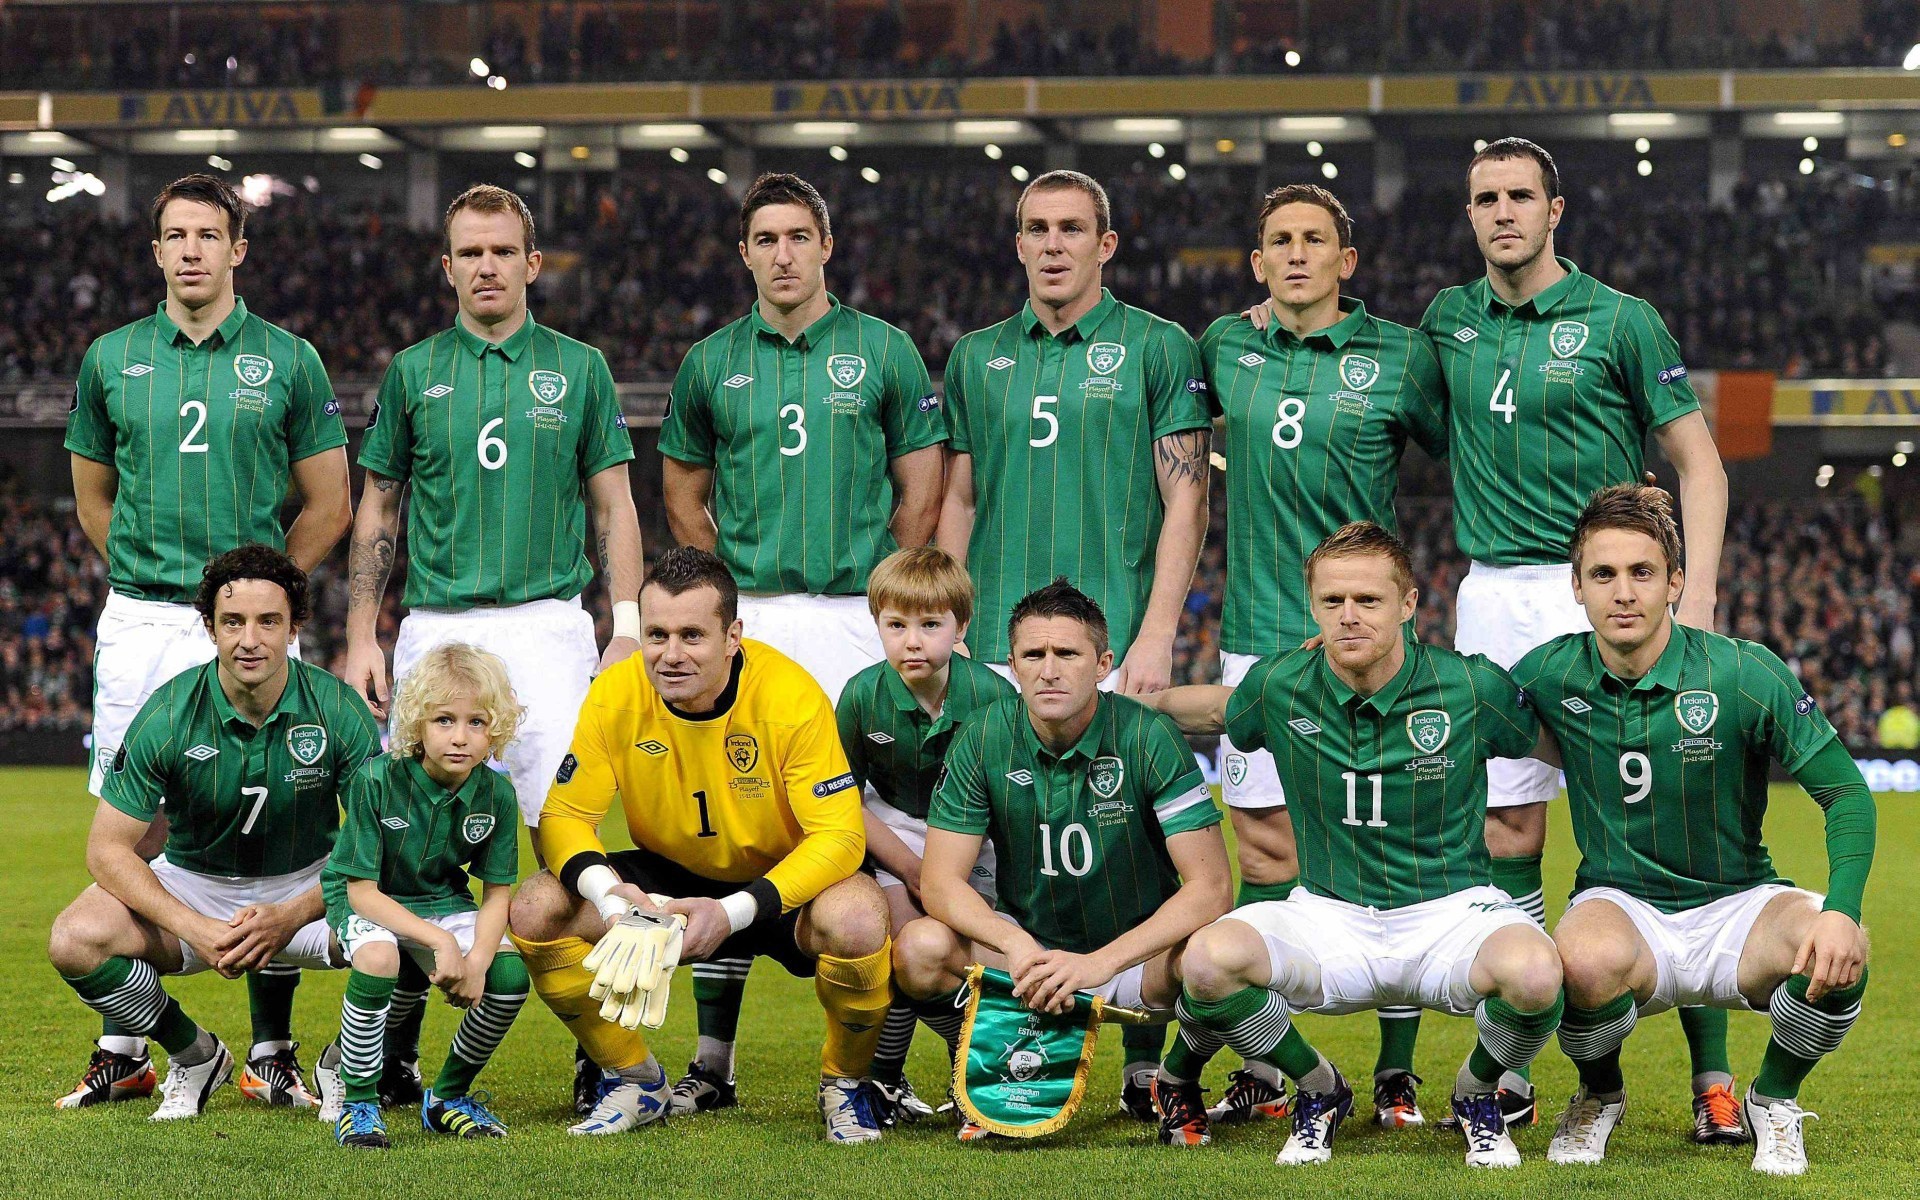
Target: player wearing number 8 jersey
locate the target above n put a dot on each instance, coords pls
(506, 432)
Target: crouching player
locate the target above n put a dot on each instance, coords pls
(897, 719)
(419, 819)
(743, 815)
(1107, 843)
(1666, 731)
(1382, 746)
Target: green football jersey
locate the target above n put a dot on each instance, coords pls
(799, 436)
(1080, 838)
(202, 439)
(1388, 806)
(1315, 429)
(891, 742)
(241, 800)
(1062, 432)
(1550, 402)
(1667, 796)
(419, 841)
(497, 443)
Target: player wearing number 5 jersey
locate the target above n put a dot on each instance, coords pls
(505, 432)
(187, 428)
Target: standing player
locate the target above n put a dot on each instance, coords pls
(1667, 732)
(814, 433)
(1382, 744)
(746, 821)
(897, 719)
(1318, 408)
(1554, 381)
(1106, 840)
(249, 754)
(187, 428)
(509, 433)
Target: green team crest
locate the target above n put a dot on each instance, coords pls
(1104, 358)
(1359, 371)
(253, 369)
(1696, 711)
(1567, 337)
(306, 743)
(476, 827)
(1428, 730)
(846, 370)
(549, 387)
(1104, 776)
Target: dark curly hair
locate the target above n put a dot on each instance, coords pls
(1062, 599)
(254, 561)
(684, 568)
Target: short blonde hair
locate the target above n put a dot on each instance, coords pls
(486, 198)
(1360, 539)
(444, 672)
(923, 579)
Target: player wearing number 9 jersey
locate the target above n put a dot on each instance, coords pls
(506, 431)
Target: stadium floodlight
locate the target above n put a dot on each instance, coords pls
(1899, 459)
(1293, 58)
(218, 163)
(1822, 119)
(526, 160)
(1176, 171)
(1315, 149)
(46, 137)
(1329, 170)
(993, 151)
(1806, 166)
(717, 175)
(1645, 167)
(204, 136)
(1156, 150)
(986, 128)
(513, 133)
(16, 178)
(869, 174)
(672, 131)
(1479, 144)
(497, 82)
(1912, 61)
(1642, 120)
(61, 164)
(1312, 124)
(479, 68)
(1162, 125)
(353, 133)
(1225, 146)
(1641, 145)
(1903, 447)
(1020, 173)
(1896, 140)
(837, 153)
(371, 162)
(1810, 144)
(679, 154)
(825, 128)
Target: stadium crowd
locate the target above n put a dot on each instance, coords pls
(1823, 585)
(646, 266)
(208, 46)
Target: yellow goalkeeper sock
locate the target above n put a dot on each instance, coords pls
(562, 982)
(856, 992)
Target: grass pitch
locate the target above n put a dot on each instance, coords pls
(1865, 1145)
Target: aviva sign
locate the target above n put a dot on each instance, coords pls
(226, 107)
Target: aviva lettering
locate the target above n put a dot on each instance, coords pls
(1558, 92)
(211, 108)
(870, 99)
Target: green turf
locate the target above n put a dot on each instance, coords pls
(1864, 1146)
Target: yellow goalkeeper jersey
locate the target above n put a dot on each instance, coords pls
(758, 788)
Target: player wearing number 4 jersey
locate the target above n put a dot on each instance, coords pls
(1382, 745)
(249, 754)
(186, 430)
(1666, 732)
(1554, 381)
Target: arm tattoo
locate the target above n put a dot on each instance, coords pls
(384, 484)
(369, 564)
(606, 557)
(1182, 457)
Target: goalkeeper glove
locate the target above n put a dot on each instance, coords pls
(633, 966)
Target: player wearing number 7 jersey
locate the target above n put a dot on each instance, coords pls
(1554, 381)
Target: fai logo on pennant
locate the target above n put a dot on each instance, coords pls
(306, 743)
(1236, 769)
(476, 828)
(438, 390)
(1428, 730)
(1567, 337)
(846, 370)
(742, 751)
(254, 370)
(1000, 364)
(1104, 358)
(1104, 776)
(1359, 371)
(549, 387)
(1696, 710)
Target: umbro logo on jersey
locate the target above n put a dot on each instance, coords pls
(1576, 705)
(1250, 359)
(438, 390)
(1000, 364)
(1464, 336)
(883, 739)
(1023, 778)
(651, 747)
(137, 370)
(1303, 727)
(738, 381)
(395, 823)
(201, 753)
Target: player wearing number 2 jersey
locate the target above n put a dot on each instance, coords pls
(187, 427)
(507, 432)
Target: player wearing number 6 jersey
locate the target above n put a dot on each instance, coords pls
(1554, 381)
(186, 429)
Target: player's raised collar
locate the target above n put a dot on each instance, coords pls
(1353, 317)
(423, 783)
(226, 331)
(1666, 670)
(1083, 328)
(1548, 297)
(1382, 701)
(512, 347)
(223, 707)
(810, 336)
(1088, 745)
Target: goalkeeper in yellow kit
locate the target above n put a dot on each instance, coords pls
(727, 760)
